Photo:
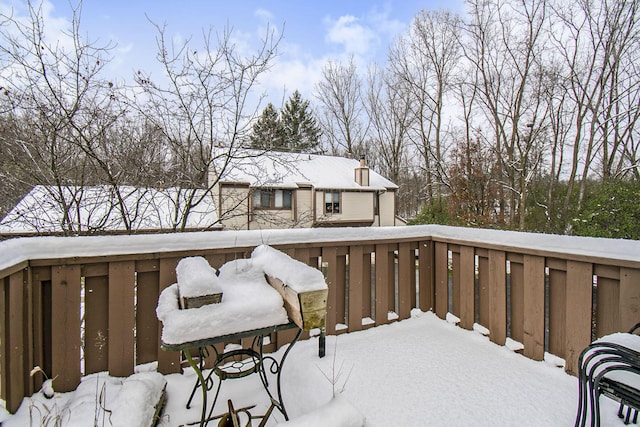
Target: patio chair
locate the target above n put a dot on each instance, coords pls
(610, 366)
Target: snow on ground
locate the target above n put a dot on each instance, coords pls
(416, 372)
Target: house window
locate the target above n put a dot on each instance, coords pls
(332, 202)
(272, 199)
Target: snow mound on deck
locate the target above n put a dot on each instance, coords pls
(100, 399)
(338, 412)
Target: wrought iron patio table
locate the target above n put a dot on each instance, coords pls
(226, 366)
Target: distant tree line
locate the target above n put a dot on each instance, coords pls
(518, 115)
(64, 122)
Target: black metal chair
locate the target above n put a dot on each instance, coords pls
(611, 369)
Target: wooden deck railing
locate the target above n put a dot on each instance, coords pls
(76, 306)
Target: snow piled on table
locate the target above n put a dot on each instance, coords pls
(295, 274)
(248, 302)
(196, 277)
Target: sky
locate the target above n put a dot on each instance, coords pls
(313, 32)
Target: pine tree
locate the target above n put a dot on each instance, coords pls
(300, 128)
(267, 133)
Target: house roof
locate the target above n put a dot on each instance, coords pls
(94, 208)
(293, 170)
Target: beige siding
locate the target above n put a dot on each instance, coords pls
(271, 218)
(234, 205)
(387, 208)
(304, 207)
(357, 206)
(354, 206)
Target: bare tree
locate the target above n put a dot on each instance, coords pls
(204, 108)
(340, 96)
(598, 43)
(504, 42)
(426, 60)
(57, 106)
(389, 109)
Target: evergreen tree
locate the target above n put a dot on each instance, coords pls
(301, 130)
(267, 132)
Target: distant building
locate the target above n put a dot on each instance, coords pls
(96, 210)
(258, 190)
(255, 190)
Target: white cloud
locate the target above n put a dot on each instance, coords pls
(263, 14)
(356, 37)
(382, 24)
(288, 75)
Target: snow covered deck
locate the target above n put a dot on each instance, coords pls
(416, 372)
(51, 289)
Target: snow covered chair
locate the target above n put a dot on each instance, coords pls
(610, 366)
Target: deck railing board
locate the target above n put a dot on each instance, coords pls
(341, 288)
(483, 288)
(629, 298)
(384, 271)
(578, 311)
(31, 332)
(497, 296)
(121, 318)
(517, 296)
(330, 256)
(146, 321)
(65, 326)
(557, 310)
(533, 319)
(96, 330)
(391, 279)
(455, 304)
(441, 263)
(425, 275)
(4, 323)
(168, 361)
(357, 262)
(406, 278)
(467, 286)
(607, 297)
(16, 337)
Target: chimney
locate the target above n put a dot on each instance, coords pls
(362, 173)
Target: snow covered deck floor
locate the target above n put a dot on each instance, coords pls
(417, 372)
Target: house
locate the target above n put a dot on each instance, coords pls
(258, 190)
(98, 209)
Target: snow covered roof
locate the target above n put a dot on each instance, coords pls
(93, 208)
(293, 170)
